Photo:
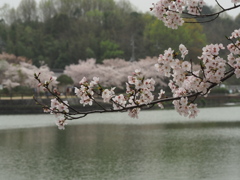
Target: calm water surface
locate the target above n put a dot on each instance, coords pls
(158, 145)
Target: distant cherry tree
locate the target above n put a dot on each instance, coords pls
(112, 71)
(18, 71)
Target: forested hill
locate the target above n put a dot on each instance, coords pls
(60, 32)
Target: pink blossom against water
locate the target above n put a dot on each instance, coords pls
(193, 110)
(160, 105)
(61, 122)
(184, 108)
(133, 113)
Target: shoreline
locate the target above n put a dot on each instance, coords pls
(29, 106)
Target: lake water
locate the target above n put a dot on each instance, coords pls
(160, 145)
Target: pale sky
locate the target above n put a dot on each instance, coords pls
(143, 5)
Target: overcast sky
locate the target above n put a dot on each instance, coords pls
(142, 5)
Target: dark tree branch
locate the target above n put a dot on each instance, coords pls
(219, 5)
(212, 14)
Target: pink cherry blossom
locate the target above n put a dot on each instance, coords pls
(170, 11)
(133, 113)
(119, 102)
(185, 109)
(108, 94)
(61, 121)
(183, 50)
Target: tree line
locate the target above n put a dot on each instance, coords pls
(62, 32)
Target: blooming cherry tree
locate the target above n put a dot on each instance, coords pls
(187, 81)
(17, 72)
(112, 71)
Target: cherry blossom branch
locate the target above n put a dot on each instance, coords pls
(170, 12)
(139, 89)
(212, 14)
(206, 21)
(123, 109)
(185, 82)
(54, 93)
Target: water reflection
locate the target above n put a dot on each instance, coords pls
(121, 152)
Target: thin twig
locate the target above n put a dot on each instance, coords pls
(219, 5)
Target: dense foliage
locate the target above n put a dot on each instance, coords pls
(60, 32)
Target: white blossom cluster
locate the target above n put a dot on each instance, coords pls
(141, 93)
(170, 11)
(184, 80)
(86, 91)
(214, 65)
(59, 109)
(234, 48)
(184, 108)
(138, 92)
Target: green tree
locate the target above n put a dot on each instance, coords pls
(64, 80)
(110, 50)
(158, 37)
